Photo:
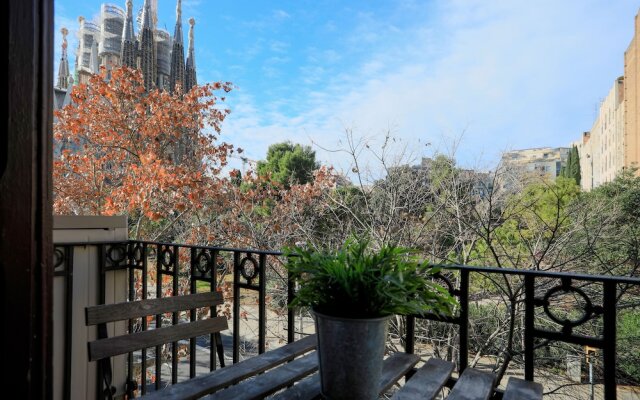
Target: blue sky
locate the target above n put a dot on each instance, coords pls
(483, 76)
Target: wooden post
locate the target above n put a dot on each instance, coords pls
(26, 250)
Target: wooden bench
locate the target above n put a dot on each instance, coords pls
(104, 347)
(429, 380)
(260, 385)
(426, 383)
(267, 373)
(289, 371)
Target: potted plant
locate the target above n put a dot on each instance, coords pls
(353, 292)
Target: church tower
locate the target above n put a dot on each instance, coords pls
(94, 60)
(111, 27)
(177, 54)
(129, 45)
(89, 35)
(63, 71)
(62, 88)
(147, 48)
(190, 73)
(113, 40)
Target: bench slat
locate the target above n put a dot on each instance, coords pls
(135, 309)
(519, 389)
(103, 348)
(209, 383)
(473, 384)
(267, 383)
(427, 381)
(306, 389)
(393, 368)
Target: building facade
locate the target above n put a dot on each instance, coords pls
(602, 150)
(543, 161)
(112, 41)
(632, 102)
(613, 144)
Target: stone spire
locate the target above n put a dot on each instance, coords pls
(176, 76)
(190, 70)
(63, 71)
(94, 63)
(67, 95)
(147, 48)
(76, 64)
(128, 49)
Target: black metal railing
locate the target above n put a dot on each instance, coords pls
(535, 291)
(159, 269)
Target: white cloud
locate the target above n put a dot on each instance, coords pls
(278, 46)
(281, 15)
(191, 7)
(507, 73)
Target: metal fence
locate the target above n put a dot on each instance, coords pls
(259, 278)
(590, 319)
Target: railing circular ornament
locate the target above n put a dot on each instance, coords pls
(116, 254)
(166, 258)
(440, 278)
(249, 272)
(586, 309)
(152, 253)
(138, 253)
(205, 267)
(221, 266)
(58, 258)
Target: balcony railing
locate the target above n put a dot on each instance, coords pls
(542, 308)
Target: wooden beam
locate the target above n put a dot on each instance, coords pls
(135, 309)
(427, 382)
(473, 384)
(26, 276)
(114, 346)
(269, 382)
(519, 389)
(395, 367)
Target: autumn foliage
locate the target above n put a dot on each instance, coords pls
(259, 212)
(122, 150)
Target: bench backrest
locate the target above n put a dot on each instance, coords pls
(108, 347)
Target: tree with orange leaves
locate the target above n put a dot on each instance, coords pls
(151, 154)
(259, 212)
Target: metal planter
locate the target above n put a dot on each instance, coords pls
(350, 353)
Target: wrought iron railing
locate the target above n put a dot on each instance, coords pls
(159, 269)
(594, 297)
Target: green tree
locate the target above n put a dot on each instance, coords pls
(289, 163)
(532, 227)
(572, 169)
(610, 234)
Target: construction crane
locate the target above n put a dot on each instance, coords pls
(245, 161)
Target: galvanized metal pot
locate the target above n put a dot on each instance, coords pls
(350, 353)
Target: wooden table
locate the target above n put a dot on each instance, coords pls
(294, 368)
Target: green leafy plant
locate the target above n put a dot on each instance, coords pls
(355, 282)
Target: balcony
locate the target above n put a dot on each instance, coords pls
(567, 331)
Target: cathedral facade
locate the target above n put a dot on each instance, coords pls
(113, 41)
